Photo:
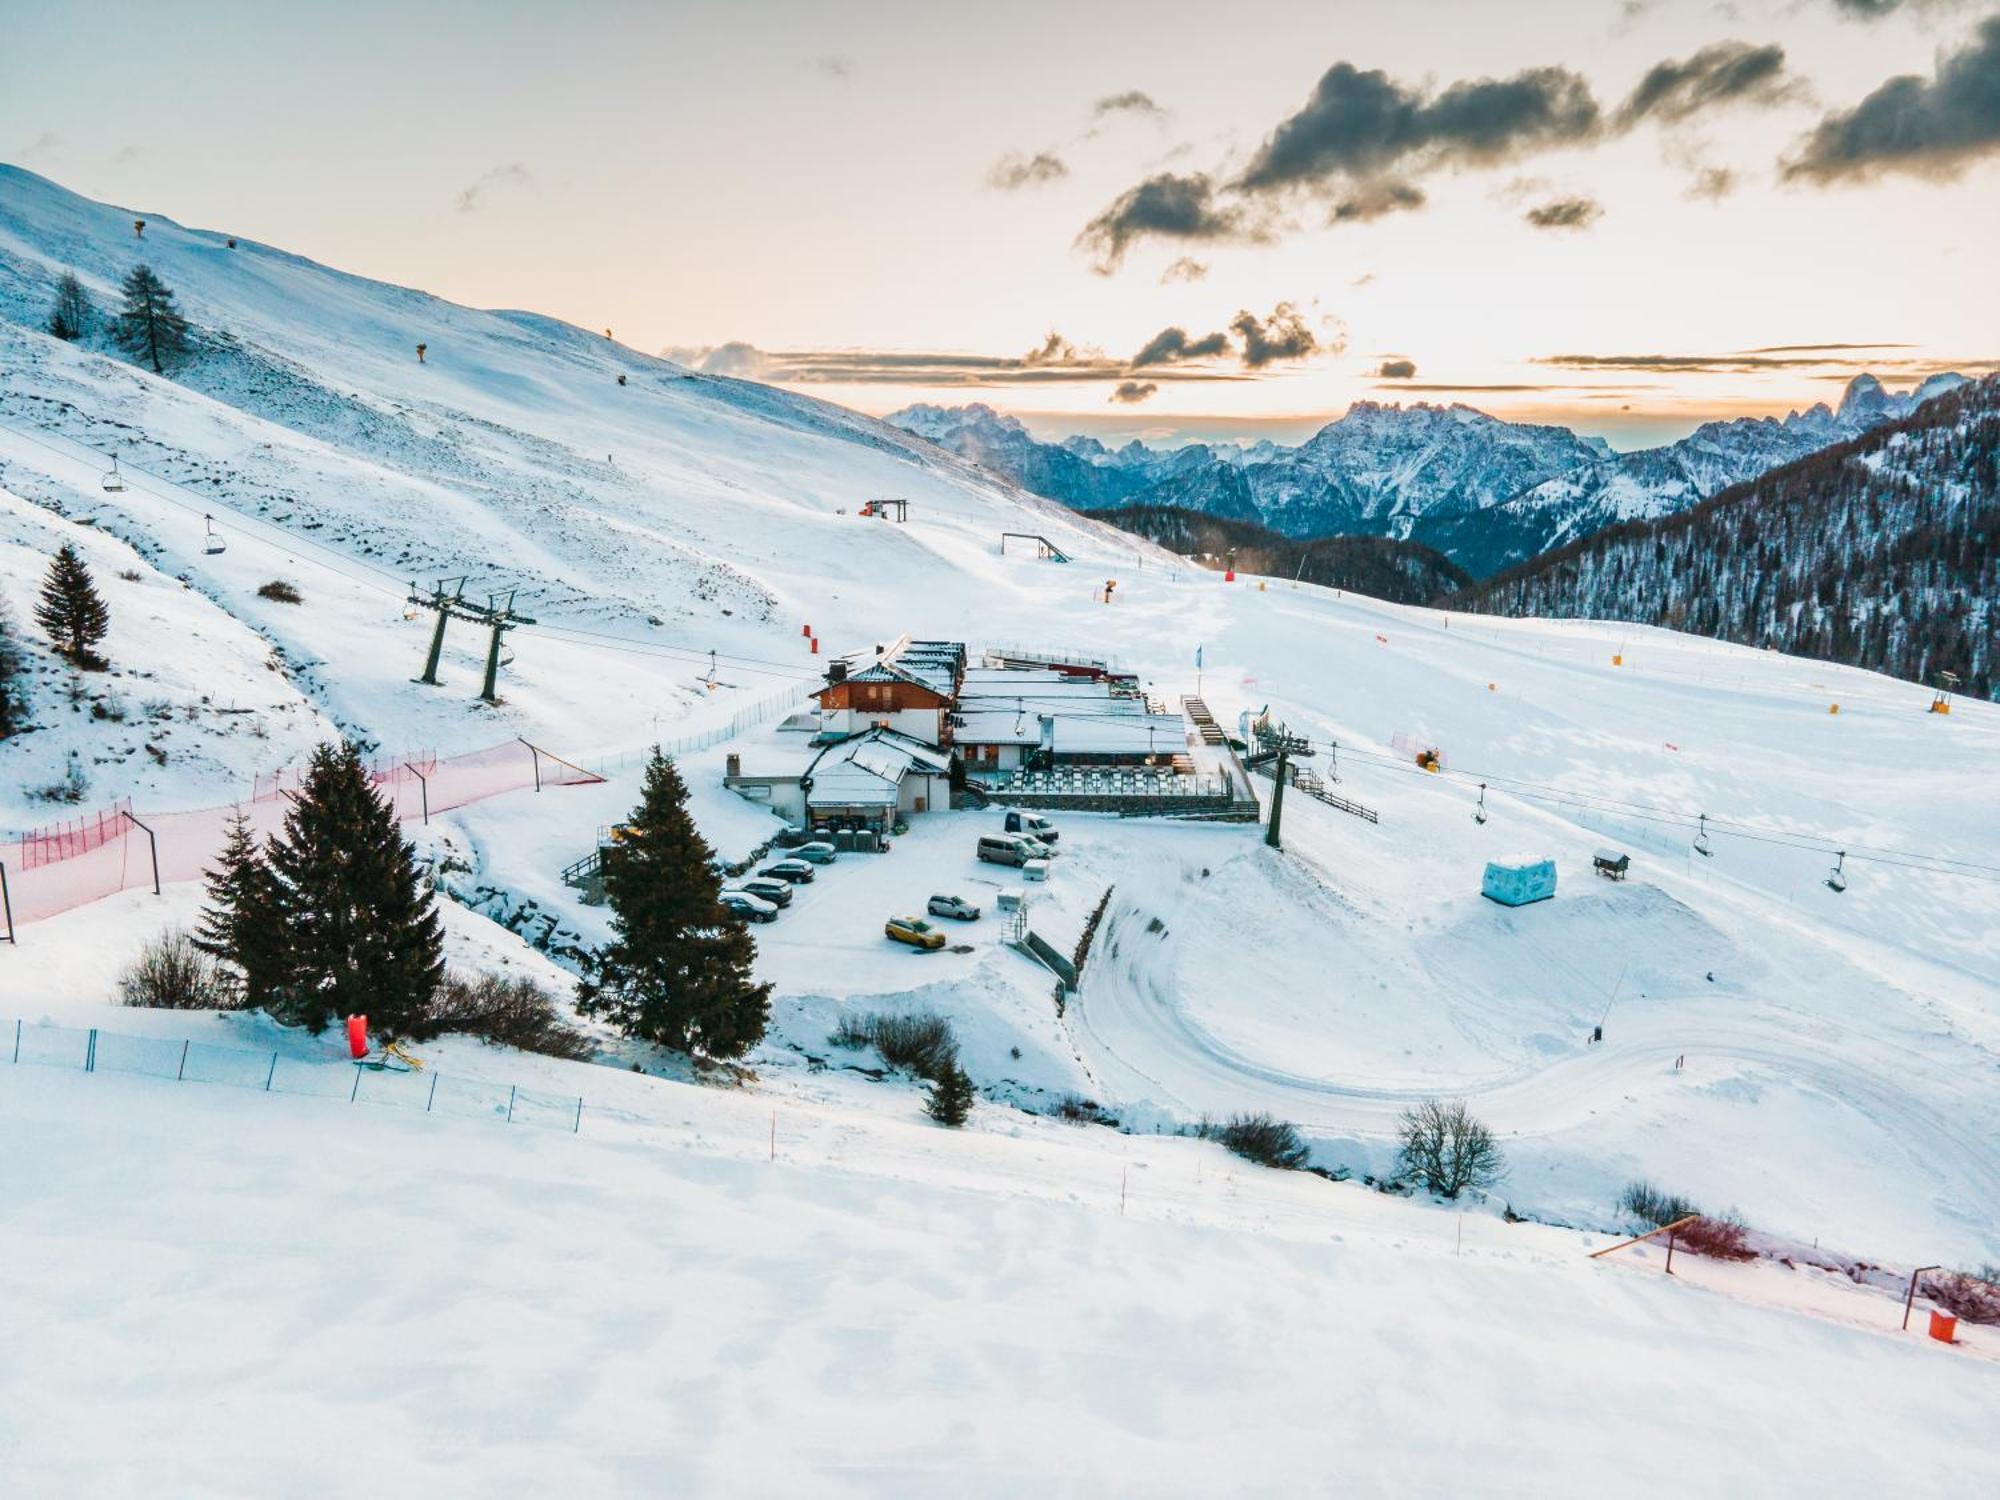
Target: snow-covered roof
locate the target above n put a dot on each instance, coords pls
(870, 767)
(1144, 735)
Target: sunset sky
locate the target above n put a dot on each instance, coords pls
(1149, 218)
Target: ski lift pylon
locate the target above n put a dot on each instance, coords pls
(214, 543)
(1701, 845)
(114, 482)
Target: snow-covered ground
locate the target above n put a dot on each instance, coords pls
(1828, 1063)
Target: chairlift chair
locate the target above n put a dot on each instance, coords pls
(1836, 880)
(114, 482)
(1479, 812)
(213, 543)
(1701, 845)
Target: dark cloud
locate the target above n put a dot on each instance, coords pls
(479, 193)
(1867, 10)
(1358, 144)
(1134, 391)
(1361, 125)
(1054, 362)
(1282, 336)
(1443, 390)
(1397, 369)
(1372, 200)
(1053, 350)
(1929, 127)
(1187, 268)
(1167, 205)
(1743, 362)
(1565, 213)
(1822, 348)
(1724, 73)
(1170, 346)
(834, 65)
(1131, 102)
(1015, 171)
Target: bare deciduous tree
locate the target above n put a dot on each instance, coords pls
(1446, 1149)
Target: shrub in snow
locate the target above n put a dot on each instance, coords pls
(280, 591)
(1719, 1239)
(172, 973)
(13, 680)
(1447, 1150)
(1652, 1207)
(951, 1096)
(509, 1012)
(923, 1043)
(1264, 1139)
(1976, 1299)
(853, 1032)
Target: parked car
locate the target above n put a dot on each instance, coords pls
(819, 851)
(750, 908)
(1034, 825)
(955, 907)
(1010, 849)
(777, 892)
(914, 931)
(797, 871)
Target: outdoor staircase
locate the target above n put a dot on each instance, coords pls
(1203, 721)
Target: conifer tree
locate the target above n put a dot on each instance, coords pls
(72, 315)
(240, 924)
(71, 611)
(677, 971)
(13, 700)
(150, 327)
(951, 1096)
(360, 933)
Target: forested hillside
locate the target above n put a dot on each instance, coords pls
(1400, 572)
(1882, 552)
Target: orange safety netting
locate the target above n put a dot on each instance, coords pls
(68, 865)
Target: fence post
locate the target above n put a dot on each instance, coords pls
(7, 903)
(272, 1074)
(183, 1073)
(152, 843)
(512, 1093)
(433, 1095)
(355, 1092)
(577, 1129)
(17, 1039)
(90, 1053)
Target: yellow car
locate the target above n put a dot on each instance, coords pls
(914, 931)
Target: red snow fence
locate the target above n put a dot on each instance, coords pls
(67, 865)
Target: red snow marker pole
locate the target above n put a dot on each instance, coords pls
(806, 630)
(357, 1036)
(815, 645)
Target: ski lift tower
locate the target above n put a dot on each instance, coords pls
(448, 599)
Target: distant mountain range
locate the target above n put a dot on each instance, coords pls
(1881, 551)
(1487, 494)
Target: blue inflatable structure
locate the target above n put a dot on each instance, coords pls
(1518, 885)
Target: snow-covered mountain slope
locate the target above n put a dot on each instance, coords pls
(1835, 1073)
(1654, 482)
(1880, 552)
(642, 525)
(1486, 493)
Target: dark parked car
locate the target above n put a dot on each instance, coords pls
(797, 871)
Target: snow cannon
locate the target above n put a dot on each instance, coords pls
(357, 1036)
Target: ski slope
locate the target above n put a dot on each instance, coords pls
(1838, 1054)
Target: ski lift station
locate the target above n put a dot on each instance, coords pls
(1519, 885)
